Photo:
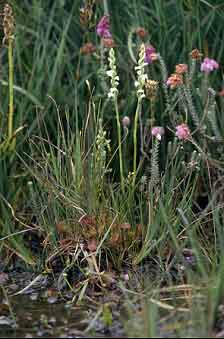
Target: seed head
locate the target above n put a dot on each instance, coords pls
(141, 32)
(196, 54)
(151, 88)
(8, 24)
(86, 13)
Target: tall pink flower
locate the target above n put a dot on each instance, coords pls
(149, 51)
(209, 65)
(183, 132)
(103, 27)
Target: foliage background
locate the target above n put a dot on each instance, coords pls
(49, 37)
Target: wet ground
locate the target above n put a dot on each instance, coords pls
(36, 318)
(30, 308)
(45, 305)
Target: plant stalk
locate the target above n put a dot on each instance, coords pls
(105, 7)
(119, 145)
(135, 138)
(11, 94)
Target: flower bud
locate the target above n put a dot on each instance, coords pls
(126, 121)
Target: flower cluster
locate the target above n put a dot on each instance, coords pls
(103, 27)
(141, 75)
(209, 65)
(175, 80)
(158, 132)
(149, 54)
(88, 48)
(112, 73)
(181, 69)
(183, 132)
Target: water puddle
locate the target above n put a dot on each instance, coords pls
(37, 318)
(31, 308)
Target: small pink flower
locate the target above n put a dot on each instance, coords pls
(158, 132)
(149, 51)
(209, 65)
(183, 132)
(174, 80)
(126, 121)
(126, 277)
(181, 68)
(103, 27)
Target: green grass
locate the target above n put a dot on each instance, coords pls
(70, 177)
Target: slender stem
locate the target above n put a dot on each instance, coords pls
(11, 96)
(141, 135)
(192, 69)
(135, 138)
(106, 8)
(152, 109)
(119, 144)
(102, 67)
(205, 86)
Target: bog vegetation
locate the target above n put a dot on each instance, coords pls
(111, 151)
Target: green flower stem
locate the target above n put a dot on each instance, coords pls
(11, 96)
(205, 86)
(192, 68)
(119, 144)
(135, 138)
(106, 8)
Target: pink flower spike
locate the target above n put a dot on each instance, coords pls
(149, 51)
(158, 132)
(183, 132)
(209, 65)
(215, 64)
(103, 27)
